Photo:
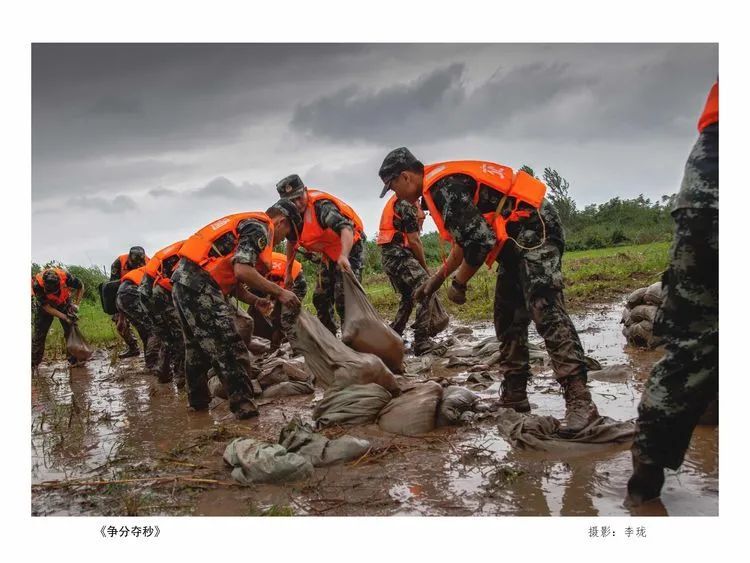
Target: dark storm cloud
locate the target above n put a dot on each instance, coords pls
(221, 187)
(162, 192)
(119, 204)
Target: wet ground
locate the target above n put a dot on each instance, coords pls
(107, 439)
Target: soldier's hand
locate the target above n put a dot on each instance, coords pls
(264, 306)
(344, 264)
(429, 287)
(288, 281)
(457, 292)
(289, 299)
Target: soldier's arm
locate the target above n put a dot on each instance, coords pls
(291, 253)
(410, 227)
(415, 243)
(79, 287)
(329, 216)
(115, 272)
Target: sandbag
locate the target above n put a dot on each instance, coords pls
(618, 373)
(640, 334)
(333, 363)
(456, 400)
(643, 313)
(260, 462)
(363, 329)
(636, 298)
(413, 412)
(216, 388)
(108, 296)
(439, 318)
(288, 388)
(244, 324)
(653, 295)
(300, 438)
(77, 346)
(355, 404)
(280, 370)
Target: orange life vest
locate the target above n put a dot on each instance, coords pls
(124, 265)
(278, 269)
(386, 230)
(710, 113)
(318, 239)
(135, 276)
(55, 298)
(521, 186)
(154, 266)
(220, 268)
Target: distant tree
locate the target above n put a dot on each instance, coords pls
(528, 169)
(559, 195)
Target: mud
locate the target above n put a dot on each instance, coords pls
(107, 439)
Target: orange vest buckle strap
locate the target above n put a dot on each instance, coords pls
(61, 296)
(315, 237)
(521, 186)
(197, 248)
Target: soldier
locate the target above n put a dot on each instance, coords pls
(132, 307)
(53, 298)
(333, 230)
(135, 258)
(156, 294)
(686, 379)
(404, 263)
(217, 261)
(287, 317)
(472, 204)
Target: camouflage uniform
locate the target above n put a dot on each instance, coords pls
(122, 324)
(207, 321)
(42, 321)
(329, 289)
(406, 273)
(130, 304)
(686, 379)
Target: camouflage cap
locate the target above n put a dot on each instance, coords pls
(290, 187)
(289, 210)
(137, 252)
(51, 280)
(394, 163)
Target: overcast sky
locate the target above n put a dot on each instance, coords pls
(144, 144)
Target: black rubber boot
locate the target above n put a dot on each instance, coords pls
(513, 393)
(428, 346)
(580, 410)
(247, 409)
(645, 484)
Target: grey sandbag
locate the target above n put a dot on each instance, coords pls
(279, 370)
(363, 329)
(413, 412)
(643, 313)
(456, 400)
(260, 462)
(288, 388)
(300, 438)
(244, 324)
(618, 373)
(636, 298)
(653, 295)
(535, 432)
(77, 346)
(439, 318)
(640, 334)
(216, 388)
(355, 404)
(333, 363)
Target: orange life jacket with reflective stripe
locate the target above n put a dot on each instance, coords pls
(124, 265)
(55, 298)
(318, 239)
(278, 269)
(521, 186)
(154, 266)
(135, 276)
(710, 113)
(220, 268)
(386, 230)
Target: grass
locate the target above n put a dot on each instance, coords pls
(590, 276)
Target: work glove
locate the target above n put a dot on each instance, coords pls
(457, 292)
(429, 287)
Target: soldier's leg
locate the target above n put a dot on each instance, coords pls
(42, 324)
(323, 295)
(130, 303)
(288, 315)
(405, 305)
(123, 329)
(356, 260)
(512, 330)
(158, 304)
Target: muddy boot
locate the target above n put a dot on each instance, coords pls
(151, 351)
(580, 410)
(131, 352)
(429, 347)
(513, 393)
(246, 409)
(645, 484)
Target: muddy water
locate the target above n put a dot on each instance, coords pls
(110, 422)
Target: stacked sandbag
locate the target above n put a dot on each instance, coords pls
(354, 404)
(363, 329)
(639, 314)
(414, 412)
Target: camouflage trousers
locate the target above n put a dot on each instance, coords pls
(130, 304)
(287, 316)
(211, 340)
(529, 288)
(686, 379)
(42, 321)
(168, 329)
(330, 287)
(406, 274)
